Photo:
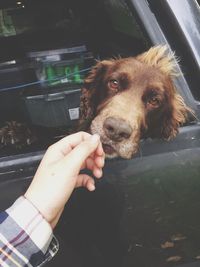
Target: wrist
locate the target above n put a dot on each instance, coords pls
(39, 204)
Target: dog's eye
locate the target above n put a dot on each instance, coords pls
(154, 101)
(113, 84)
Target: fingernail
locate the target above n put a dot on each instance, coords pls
(103, 162)
(92, 187)
(94, 138)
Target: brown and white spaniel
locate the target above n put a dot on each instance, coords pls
(127, 99)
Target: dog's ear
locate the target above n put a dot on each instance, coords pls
(92, 92)
(165, 122)
(175, 112)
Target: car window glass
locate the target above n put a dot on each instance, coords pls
(180, 27)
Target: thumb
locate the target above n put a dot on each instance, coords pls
(81, 152)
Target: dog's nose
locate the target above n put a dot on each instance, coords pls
(117, 129)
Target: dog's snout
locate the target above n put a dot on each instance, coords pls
(117, 129)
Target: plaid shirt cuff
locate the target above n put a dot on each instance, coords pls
(26, 238)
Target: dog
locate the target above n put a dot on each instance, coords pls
(127, 99)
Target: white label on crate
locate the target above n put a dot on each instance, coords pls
(53, 57)
(65, 80)
(74, 113)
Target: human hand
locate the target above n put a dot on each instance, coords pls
(59, 173)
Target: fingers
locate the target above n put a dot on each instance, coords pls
(66, 144)
(97, 172)
(94, 161)
(86, 181)
(81, 152)
(100, 161)
(99, 150)
(73, 140)
(95, 165)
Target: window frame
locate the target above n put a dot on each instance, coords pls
(151, 26)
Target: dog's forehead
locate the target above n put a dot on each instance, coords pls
(136, 71)
(125, 64)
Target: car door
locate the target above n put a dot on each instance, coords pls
(145, 210)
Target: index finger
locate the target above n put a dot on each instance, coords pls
(66, 144)
(99, 150)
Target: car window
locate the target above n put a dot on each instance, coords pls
(27, 25)
(43, 63)
(180, 24)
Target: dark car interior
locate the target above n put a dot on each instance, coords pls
(38, 54)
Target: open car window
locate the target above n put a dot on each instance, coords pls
(43, 63)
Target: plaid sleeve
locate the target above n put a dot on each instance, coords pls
(26, 238)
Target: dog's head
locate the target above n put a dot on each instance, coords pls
(127, 99)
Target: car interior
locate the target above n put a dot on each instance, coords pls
(43, 63)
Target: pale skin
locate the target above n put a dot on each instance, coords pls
(59, 173)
